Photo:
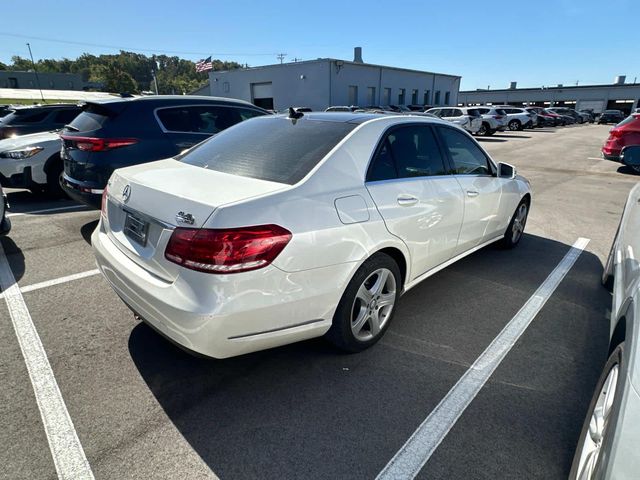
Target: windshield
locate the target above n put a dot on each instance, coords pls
(281, 150)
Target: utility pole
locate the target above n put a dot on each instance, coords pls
(155, 78)
(280, 57)
(35, 71)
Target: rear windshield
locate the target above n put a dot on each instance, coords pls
(627, 120)
(93, 116)
(281, 150)
(26, 115)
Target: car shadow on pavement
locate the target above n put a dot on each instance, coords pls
(87, 230)
(14, 255)
(490, 140)
(626, 170)
(510, 136)
(308, 411)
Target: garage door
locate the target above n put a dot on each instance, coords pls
(262, 90)
(596, 105)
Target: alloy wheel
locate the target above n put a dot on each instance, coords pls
(519, 223)
(373, 304)
(598, 426)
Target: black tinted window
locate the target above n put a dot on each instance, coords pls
(24, 116)
(202, 119)
(467, 157)
(66, 116)
(274, 149)
(406, 152)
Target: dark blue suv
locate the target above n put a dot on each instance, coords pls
(127, 131)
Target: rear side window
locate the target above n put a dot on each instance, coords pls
(467, 157)
(473, 112)
(274, 149)
(24, 116)
(410, 151)
(202, 119)
(66, 116)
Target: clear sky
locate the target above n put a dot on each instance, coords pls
(533, 42)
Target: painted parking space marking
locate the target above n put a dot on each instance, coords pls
(57, 281)
(47, 210)
(413, 455)
(66, 450)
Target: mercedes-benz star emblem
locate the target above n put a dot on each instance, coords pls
(126, 193)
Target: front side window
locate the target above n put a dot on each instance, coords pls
(410, 151)
(467, 157)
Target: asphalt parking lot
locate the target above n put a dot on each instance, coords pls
(144, 409)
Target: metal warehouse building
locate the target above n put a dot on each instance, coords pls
(320, 83)
(619, 96)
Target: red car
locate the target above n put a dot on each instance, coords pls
(627, 132)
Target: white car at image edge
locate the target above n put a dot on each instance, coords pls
(609, 444)
(283, 229)
(32, 161)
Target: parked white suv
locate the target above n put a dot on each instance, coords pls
(517, 118)
(32, 162)
(468, 118)
(493, 120)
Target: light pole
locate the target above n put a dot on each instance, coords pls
(35, 71)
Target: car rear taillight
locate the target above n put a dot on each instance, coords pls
(229, 250)
(94, 144)
(103, 207)
(616, 132)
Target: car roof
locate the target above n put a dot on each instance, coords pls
(173, 99)
(359, 118)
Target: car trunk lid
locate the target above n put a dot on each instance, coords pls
(146, 202)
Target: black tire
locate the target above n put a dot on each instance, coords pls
(514, 125)
(340, 334)
(55, 168)
(484, 129)
(510, 240)
(614, 359)
(491, 132)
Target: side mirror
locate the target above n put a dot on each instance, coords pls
(631, 155)
(506, 170)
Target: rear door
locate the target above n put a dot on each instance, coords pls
(482, 189)
(187, 125)
(419, 201)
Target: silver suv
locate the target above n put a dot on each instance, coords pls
(493, 120)
(517, 117)
(466, 117)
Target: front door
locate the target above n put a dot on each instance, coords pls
(481, 187)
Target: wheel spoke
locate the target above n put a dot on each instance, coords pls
(386, 299)
(364, 294)
(360, 321)
(374, 323)
(381, 281)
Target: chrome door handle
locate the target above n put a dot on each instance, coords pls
(472, 193)
(406, 200)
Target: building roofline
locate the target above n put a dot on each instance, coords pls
(556, 88)
(328, 59)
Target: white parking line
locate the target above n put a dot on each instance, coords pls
(66, 450)
(57, 281)
(410, 459)
(46, 210)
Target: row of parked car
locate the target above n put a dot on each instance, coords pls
(486, 120)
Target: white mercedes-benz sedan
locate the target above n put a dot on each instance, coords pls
(285, 228)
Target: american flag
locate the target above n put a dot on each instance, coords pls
(204, 65)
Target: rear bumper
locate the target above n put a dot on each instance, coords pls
(222, 316)
(88, 194)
